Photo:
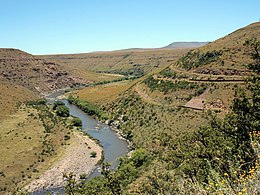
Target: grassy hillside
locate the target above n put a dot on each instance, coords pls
(104, 93)
(32, 136)
(225, 56)
(11, 97)
(24, 77)
(187, 137)
(135, 62)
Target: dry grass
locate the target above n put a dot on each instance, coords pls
(11, 96)
(21, 137)
(97, 77)
(104, 93)
(124, 60)
(24, 146)
(234, 55)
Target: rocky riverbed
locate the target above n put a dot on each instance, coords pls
(76, 159)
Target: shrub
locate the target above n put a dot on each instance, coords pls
(76, 122)
(57, 104)
(87, 107)
(62, 111)
(93, 154)
(66, 137)
(194, 59)
(37, 102)
(168, 73)
(165, 86)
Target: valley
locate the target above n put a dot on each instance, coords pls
(189, 114)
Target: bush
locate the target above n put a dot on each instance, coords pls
(57, 104)
(93, 154)
(165, 86)
(76, 122)
(62, 111)
(37, 102)
(66, 137)
(87, 107)
(139, 157)
(168, 73)
(194, 59)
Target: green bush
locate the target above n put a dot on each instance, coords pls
(165, 86)
(76, 122)
(93, 154)
(57, 104)
(37, 102)
(168, 73)
(87, 107)
(62, 111)
(194, 59)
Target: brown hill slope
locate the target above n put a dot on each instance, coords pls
(24, 77)
(34, 73)
(224, 56)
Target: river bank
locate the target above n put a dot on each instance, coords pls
(76, 159)
(111, 146)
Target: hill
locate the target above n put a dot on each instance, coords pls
(126, 62)
(34, 73)
(179, 147)
(24, 77)
(192, 44)
(225, 56)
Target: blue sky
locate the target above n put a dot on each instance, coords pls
(76, 26)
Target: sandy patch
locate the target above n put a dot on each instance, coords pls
(76, 159)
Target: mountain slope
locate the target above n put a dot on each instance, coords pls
(224, 55)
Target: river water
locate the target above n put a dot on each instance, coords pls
(113, 145)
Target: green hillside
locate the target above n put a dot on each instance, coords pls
(191, 130)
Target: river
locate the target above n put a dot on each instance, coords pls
(113, 145)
